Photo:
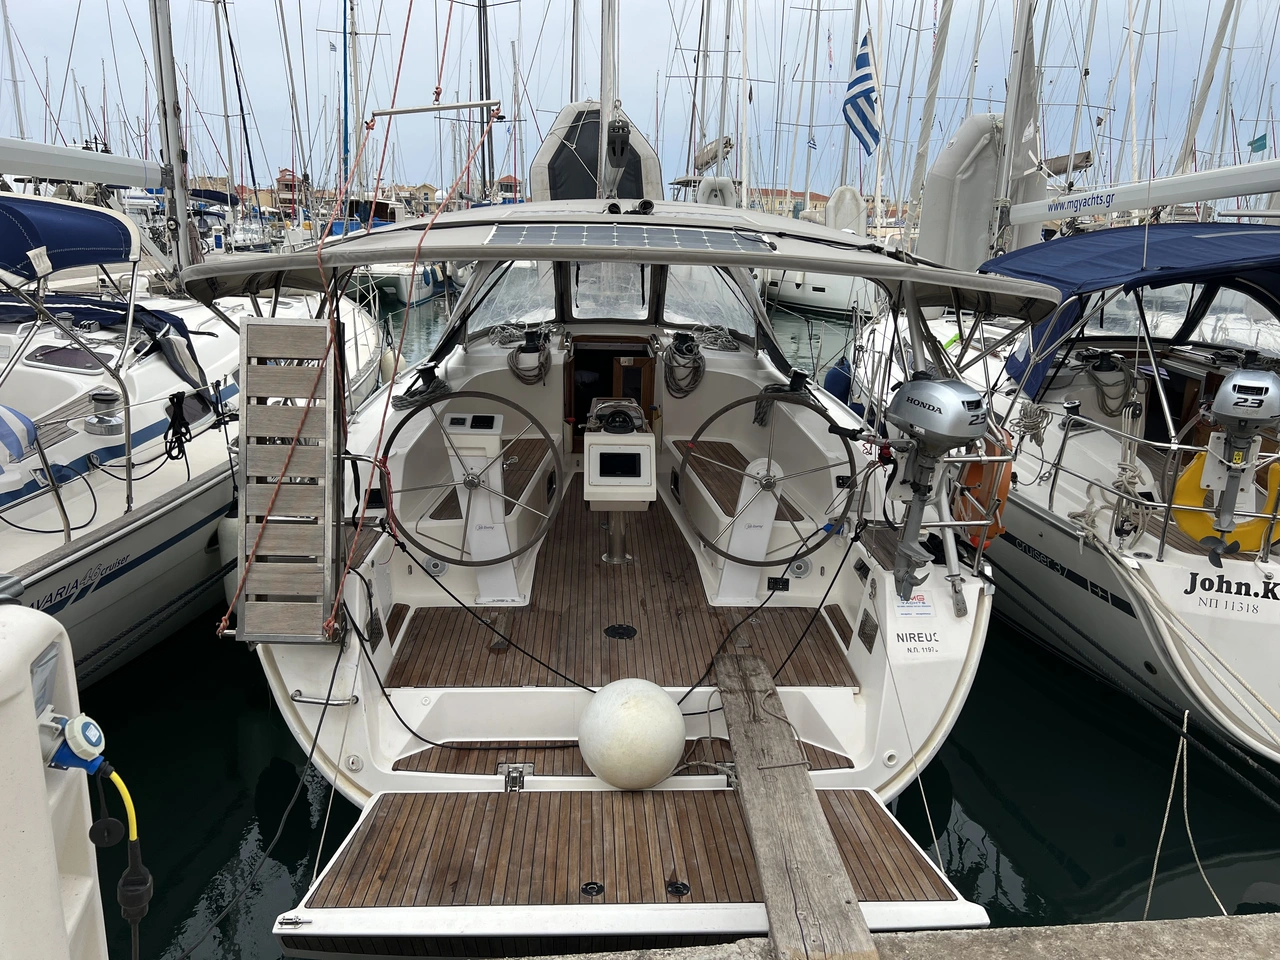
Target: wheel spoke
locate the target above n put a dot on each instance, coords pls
(773, 422)
(805, 473)
(516, 502)
(466, 523)
(759, 490)
(485, 469)
(449, 440)
(429, 486)
(741, 473)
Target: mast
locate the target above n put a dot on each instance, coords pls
(813, 100)
(575, 68)
(744, 141)
(293, 102)
(13, 68)
(926, 120)
(1187, 155)
(1082, 94)
(608, 94)
(356, 107)
(1013, 124)
(488, 168)
(853, 65)
(704, 48)
(724, 87)
(1130, 111)
(170, 111)
(973, 68)
(346, 125)
(1224, 99)
(226, 118)
(878, 219)
(515, 123)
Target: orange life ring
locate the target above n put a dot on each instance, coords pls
(985, 483)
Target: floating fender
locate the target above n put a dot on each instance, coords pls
(632, 734)
(387, 365)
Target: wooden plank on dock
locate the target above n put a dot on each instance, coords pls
(813, 911)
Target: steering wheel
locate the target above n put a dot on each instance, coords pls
(474, 479)
(771, 484)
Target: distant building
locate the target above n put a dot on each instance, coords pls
(509, 188)
(785, 203)
(291, 191)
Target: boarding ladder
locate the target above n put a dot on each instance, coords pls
(289, 589)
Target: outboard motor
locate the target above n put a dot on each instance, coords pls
(938, 416)
(1247, 403)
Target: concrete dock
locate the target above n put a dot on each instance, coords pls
(1255, 937)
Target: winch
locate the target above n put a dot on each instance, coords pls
(1247, 403)
(937, 416)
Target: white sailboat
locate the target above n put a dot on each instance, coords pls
(605, 472)
(116, 465)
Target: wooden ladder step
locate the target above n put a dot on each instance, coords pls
(289, 586)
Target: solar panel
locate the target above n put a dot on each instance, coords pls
(635, 236)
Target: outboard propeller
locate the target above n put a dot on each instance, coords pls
(1247, 403)
(938, 416)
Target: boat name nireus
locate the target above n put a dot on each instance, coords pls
(1237, 588)
(918, 637)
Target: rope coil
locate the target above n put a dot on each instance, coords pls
(683, 366)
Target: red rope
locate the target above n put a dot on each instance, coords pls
(379, 462)
(395, 89)
(315, 385)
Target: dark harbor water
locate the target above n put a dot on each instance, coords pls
(1047, 799)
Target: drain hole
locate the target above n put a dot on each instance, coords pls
(592, 888)
(1150, 667)
(677, 888)
(620, 631)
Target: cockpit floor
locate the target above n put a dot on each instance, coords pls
(576, 595)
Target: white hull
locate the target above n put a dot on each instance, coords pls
(137, 579)
(1173, 670)
(819, 292)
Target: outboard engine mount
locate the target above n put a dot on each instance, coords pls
(938, 416)
(1247, 403)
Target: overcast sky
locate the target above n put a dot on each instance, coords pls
(107, 44)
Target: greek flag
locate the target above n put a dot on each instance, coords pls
(860, 100)
(17, 433)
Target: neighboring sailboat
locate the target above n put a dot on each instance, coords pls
(116, 468)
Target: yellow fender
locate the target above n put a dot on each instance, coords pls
(1187, 492)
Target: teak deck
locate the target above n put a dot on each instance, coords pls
(575, 595)
(724, 484)
(540, 847)
(562, 758)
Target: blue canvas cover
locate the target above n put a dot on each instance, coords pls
(1158, 255)
(71, 235)
(108, 313)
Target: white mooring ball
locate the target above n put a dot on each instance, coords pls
(631, 734)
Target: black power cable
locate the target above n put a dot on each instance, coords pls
(93, 516)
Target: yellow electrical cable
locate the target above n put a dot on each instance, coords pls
(128, 805)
